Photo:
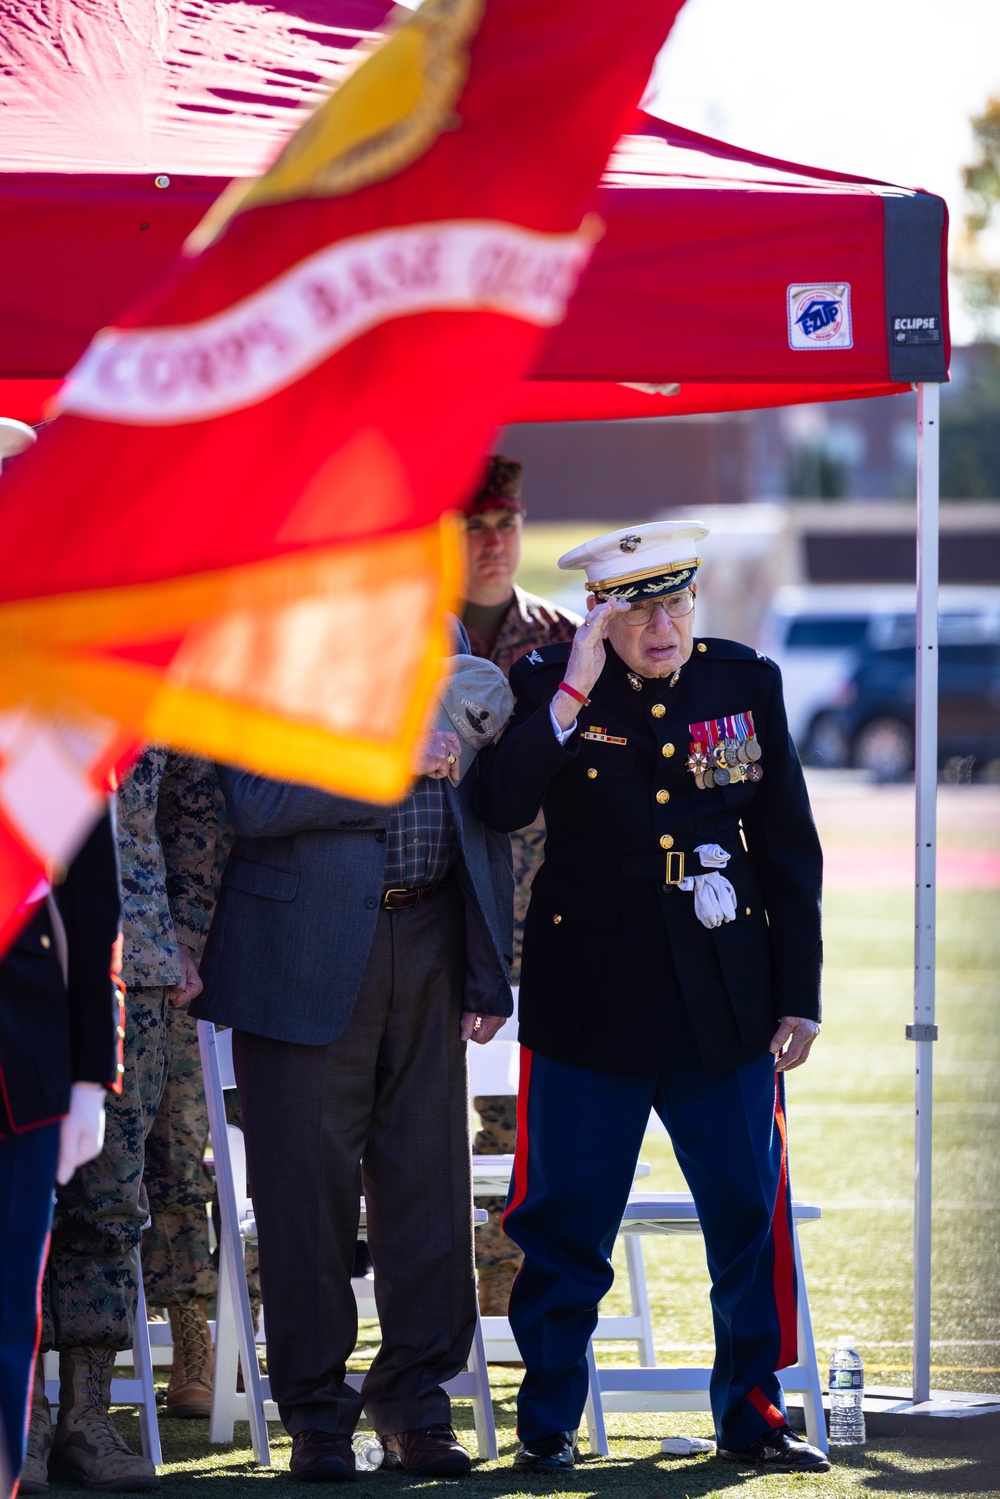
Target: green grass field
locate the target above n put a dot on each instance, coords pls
(851, 1131)
(635, 1469)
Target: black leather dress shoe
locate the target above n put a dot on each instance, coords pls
(783, 1451)
(555, 1453)
(427, 1451)
(321, 1457)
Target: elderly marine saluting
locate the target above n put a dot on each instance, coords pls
(671, 961)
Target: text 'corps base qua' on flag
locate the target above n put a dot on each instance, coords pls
(234, 538)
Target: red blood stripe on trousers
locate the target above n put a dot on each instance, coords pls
(763, 1406)
(784, 1254)
(521, 1140)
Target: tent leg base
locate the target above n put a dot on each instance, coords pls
(948, 1415)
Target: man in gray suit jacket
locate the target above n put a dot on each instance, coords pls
(355, 949)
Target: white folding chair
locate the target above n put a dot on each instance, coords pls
(139, 1391)
(234, 1341)
(685, 1389)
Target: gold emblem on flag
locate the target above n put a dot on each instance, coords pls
(383, 116)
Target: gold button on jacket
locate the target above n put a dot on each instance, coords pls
(666, 841)
(662, 796)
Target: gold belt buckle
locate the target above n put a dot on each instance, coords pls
(672, 879)
(385, 897)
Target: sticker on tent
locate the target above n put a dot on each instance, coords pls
(819, 317)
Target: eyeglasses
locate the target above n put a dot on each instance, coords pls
(676, 605)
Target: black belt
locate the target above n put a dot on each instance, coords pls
(668, 868)
(401, 900)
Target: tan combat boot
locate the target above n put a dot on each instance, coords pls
(189, 1392)
(35, 1473)
(88, 1448)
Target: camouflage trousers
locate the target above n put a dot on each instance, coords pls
(498, 1116)
(177, 1264)
(90, 1283)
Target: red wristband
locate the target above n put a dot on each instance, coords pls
(565, 687)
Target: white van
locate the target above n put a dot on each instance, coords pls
(816, 633)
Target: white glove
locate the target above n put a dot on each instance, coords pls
(714, 899)
(714, 896)
(712, 856)
(81, 1134)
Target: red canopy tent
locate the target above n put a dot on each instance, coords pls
(120, 127)
(725, 280)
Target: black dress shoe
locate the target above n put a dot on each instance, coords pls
(555, 1453)
(321, 1457)
(783, 1451)
(427, 1451)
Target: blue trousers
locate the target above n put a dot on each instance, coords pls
(27, 1195)
(578, 1141)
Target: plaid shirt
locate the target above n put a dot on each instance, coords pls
(422, 842)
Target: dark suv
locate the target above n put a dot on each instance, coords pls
(878, 712)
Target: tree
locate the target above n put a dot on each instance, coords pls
(977, 260)
(970, 426)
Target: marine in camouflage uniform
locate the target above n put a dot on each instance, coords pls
(166, 834)
(504, 623)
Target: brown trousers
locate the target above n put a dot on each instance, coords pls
(382, 1109)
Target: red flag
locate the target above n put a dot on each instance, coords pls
(231, 539)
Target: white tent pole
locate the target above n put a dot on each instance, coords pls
(923, 1031)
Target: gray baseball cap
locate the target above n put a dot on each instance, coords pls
(474, 702)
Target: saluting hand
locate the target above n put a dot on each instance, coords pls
(587, 658)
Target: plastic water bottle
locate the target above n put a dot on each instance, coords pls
(847, 1389)
(368, 1452)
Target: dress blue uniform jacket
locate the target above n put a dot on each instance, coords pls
(610, 951)
(300, 900)
(53, 1034)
